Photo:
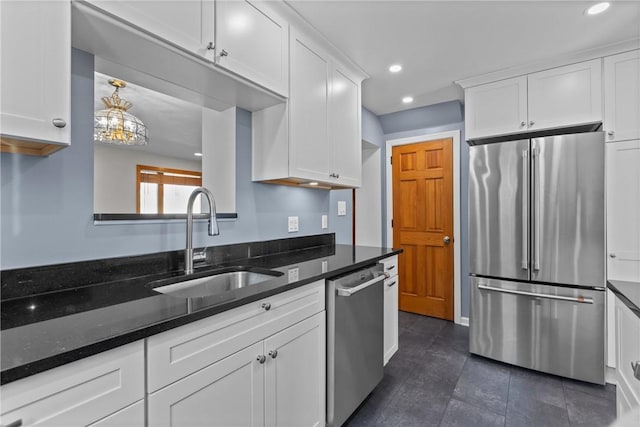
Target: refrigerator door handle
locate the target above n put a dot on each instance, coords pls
(536, 205)
(581, 300)
(525, 210)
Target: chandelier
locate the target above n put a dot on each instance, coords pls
(114, 125)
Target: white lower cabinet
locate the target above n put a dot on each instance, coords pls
(130, 416)
(261, 364)
(82, 393)
(391, 286)
(628, 357)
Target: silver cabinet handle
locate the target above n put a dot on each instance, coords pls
(347, 292)
(391, 267)
(273, 354)
(536, 219)
(531, 123)
(211, 46)
(523, 124)
(261, 358)
(612, 255)
(581, 300)
(16, 423)
(635, 367)
(59, 123)
(224, 53)
(391, 284)
(610, 133)
(525, 210)
(266, 306)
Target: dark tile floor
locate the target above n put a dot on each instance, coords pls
(433, 381)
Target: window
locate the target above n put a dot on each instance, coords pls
(164, 190)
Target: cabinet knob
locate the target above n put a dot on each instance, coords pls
(16, 423)
(635, 366)
(59, 123)
(612, 255)
(211, 46)
(523, 124)
(531, 123)
(261, 358)
(273, 354)
(266, 306)
(391, 284)
(611, 133)
(224, 53)
(337, 175)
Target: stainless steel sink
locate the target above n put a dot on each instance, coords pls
(216, 283)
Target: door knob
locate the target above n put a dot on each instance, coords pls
(446, 239)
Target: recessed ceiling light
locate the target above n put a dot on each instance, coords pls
(598, 8)
(395, 68)
(197, 154)
(407, 99)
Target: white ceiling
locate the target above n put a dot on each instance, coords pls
(439, 42)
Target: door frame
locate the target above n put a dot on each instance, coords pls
(455, 136)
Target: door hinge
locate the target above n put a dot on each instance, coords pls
(391, 160)
(392, 223)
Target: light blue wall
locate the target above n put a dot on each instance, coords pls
(46, 204)
(372, 128)
(436, 118)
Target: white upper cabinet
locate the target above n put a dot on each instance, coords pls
(623, 210)
(496, 108)
(35, 76)
(565, 96)
(555, 98)
(253, 41)
(188, 24)
(622, 96)
(316, 136)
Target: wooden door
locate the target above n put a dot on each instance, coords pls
(423, 226)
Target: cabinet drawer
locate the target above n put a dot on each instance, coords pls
(627, 349)
(177, 353)
(390, 265)
(79, 393)
(131, 416)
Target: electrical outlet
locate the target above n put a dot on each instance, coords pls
(342, 208)
(325, 221)
(293, 274)
(293, 224)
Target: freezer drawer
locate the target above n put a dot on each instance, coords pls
(553, 329)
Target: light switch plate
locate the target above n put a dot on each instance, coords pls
(293, 224)
(325, 221)
(342, 208)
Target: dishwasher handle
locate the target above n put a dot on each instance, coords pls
(347, 292)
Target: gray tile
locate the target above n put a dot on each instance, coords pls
(523, 412)
(484, 384)
(464, 414)
(417, 404)
(441, 361)
(607, 391)
(455, 337)
(588, 410)
(525, 384)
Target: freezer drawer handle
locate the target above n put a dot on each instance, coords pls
(581, 300)
(635, 367)
(347, 292)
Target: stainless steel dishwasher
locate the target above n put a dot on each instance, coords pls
(354, 340)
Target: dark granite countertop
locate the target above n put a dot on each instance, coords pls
(65, 323)
(628, 292)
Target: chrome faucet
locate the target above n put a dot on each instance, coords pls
(213, 225)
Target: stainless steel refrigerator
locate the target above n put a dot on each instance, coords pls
(536, 235)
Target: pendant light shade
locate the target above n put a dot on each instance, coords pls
(114, 125)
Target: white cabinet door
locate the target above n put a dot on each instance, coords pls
(628, 355)
(623, 210)
(79, 393)
(391, 287)
(253, 42)
(345, 129)
(496, 108)
(227, 393)
(622, 96)
(565, 96)
(35, 75)
(295, 375)
(309, 153)
(188, 24)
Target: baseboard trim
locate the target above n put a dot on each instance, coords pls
(464, 321)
